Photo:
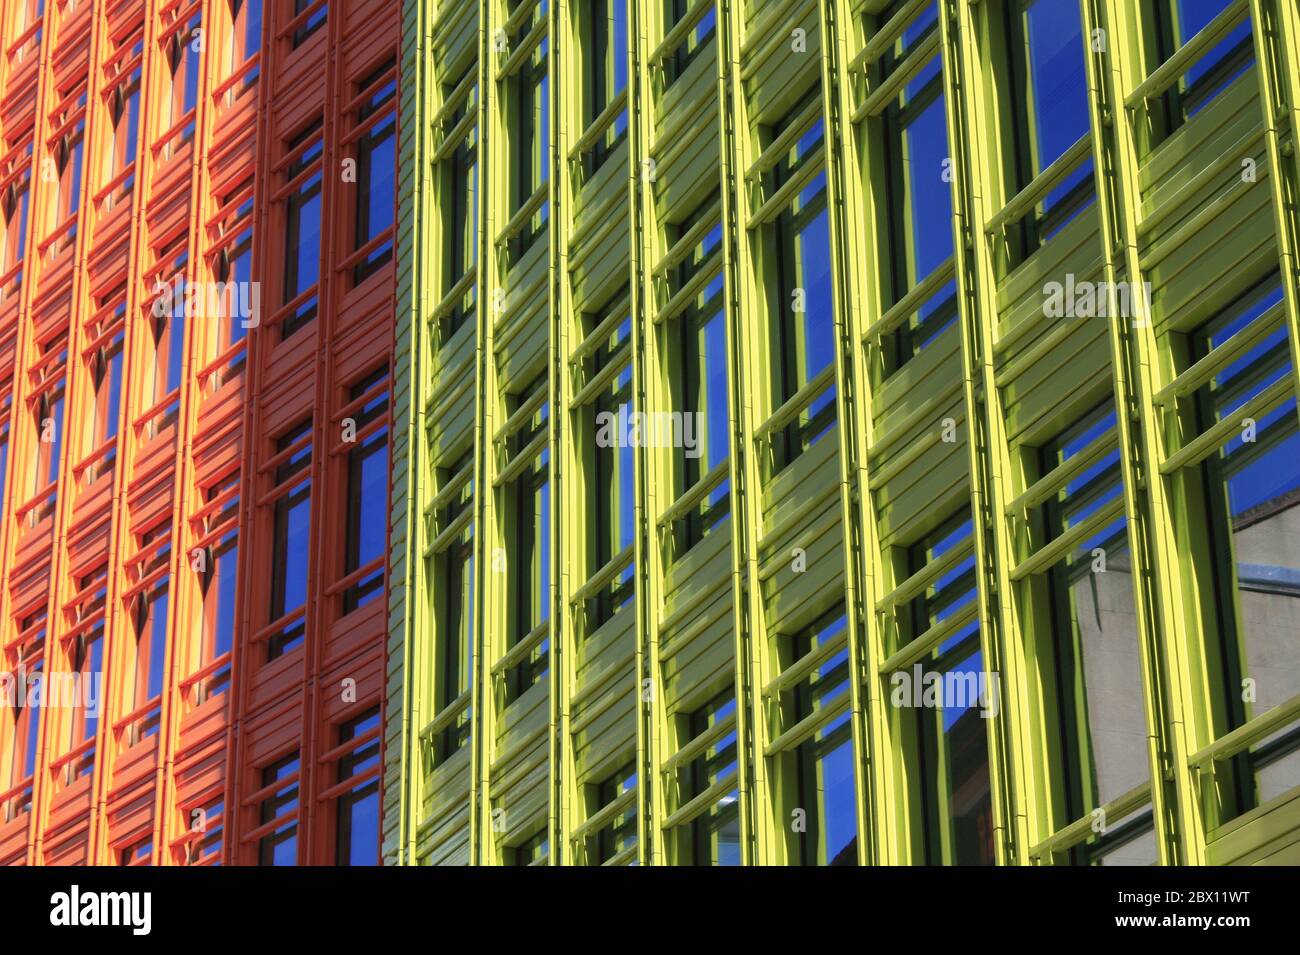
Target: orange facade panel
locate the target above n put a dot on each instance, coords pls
(196, 311)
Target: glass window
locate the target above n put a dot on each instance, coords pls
(290, 544)
(138, 853)
(530, 567)
(367, 516)
(86, 659)
(280, 846)
(919, 210)
(167, 327)
(1085, 601)
(233, 266)
(106, 371)
(208, 822)
(26, 719)
(696, 40)
(460, 221)
(1131, 841)
(245, 32)
(606, 75)
(92, 593)
(530, 145)
(946, 735)
(713, 837)
(303, 227)
(697, 366)
(4, 460)
(1177, 22)
(241, 40)
(357, 817)
(27, 14)
(183, 62)
(108, 388)
(1047, 74)
(13, 240)
(531, 851)
(613, 475)
(456, 646)
(49, 434)
(124, 113)
(168, 362)
(150, 617)
(1245, 497)
(217, 585)
(69, 152)
(803, 339)
(310, 24)
(619, 835)
(376, 171)
(453, 600)
(824, 763)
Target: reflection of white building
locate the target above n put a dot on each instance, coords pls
(1266, 541)
(1104, 614)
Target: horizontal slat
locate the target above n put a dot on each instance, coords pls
(1164, 75)
(1059, 476)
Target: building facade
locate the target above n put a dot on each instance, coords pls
(195, 364)
(846, 432)
(596, 432)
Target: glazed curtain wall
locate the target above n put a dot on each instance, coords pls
(973, 326)
(195, 375)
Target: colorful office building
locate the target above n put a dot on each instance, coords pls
(662, 432)
(195, 368)
(846, 432)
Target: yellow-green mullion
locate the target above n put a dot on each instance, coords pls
(568, 511)
(420, 652)
(1279, 90)
(657, 463)
(416, 702)
(414, 150)
(771, 846)
(1016, 812)
(646, 387)
(741, 309)
(1000, 644)
(1115, 68)
(1178, 714)
(864, 191)
(858, 617)
(493, 208)
(943, 785)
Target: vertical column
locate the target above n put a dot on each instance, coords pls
(438, 454)
(746, 515)
(986, 443)
(75, 378)
(182, 584)
(647, 391)
(250, 487)
(851, 380)
(407, 709)
(489, 593)
(1115, 64)
(851, 193)
(648, 479)
(567, 525)
(22, 452)
(514, 40)
(326, 105)
(1277, 51)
